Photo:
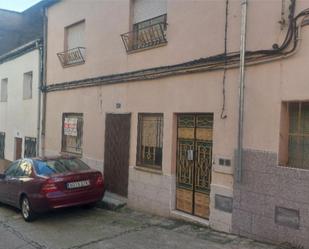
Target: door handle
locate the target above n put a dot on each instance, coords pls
(190, 155)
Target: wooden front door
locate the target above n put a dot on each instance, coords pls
(18, 148)
(194, 160)
(116, 155)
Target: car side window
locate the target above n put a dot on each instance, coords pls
(24, 168)
(12, 169)
(19, 171)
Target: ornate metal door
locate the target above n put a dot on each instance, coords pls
(194, 160)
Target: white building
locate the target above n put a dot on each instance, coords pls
(20, 73)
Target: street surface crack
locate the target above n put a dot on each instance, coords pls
(19, 235)
(111, 237)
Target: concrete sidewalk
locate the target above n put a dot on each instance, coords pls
(77, 228)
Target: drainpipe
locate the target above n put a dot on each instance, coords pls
(38, 139)
(243, 30)
(44, 56)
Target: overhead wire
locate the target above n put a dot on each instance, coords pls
(223, 115)
(223, 61)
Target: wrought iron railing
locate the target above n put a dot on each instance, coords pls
(147, 37)
(72, 57)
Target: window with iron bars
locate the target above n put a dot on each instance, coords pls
(30, 147)
(294, 147)
(150, 140)
(146, 34)
(72, 133)
(74, 42)
(2, 144)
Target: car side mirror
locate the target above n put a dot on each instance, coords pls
(2, 176)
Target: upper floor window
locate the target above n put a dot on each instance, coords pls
(294, 144)
(74, 45)
(4, 90)
(149, 25)
(27, 85)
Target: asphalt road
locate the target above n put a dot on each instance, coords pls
(102, 229)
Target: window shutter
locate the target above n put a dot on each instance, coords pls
(76, 35)
(4, 90)
(27, 85)
(146, 9)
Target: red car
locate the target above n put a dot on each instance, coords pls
(42, 184)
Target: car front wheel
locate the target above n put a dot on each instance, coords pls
(26, 210)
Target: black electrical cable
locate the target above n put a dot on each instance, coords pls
(223, 115)
(216, 62)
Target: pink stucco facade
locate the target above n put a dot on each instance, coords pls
(195, 29)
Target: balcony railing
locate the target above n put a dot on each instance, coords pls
(72, 57)
(147, 37)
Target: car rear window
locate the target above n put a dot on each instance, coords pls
(55, 166)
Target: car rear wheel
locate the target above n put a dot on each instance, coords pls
(26, 210)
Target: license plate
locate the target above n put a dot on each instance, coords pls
(79, 184)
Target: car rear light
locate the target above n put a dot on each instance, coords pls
(48, 187)
(99, 181)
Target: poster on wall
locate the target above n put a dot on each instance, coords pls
(70, 127)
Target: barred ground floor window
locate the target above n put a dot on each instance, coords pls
(72, 133)
(294, 144)
(30, 147)
(150, 140)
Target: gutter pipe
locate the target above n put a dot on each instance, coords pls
(38, 143)
(43, 86)
(244, 4)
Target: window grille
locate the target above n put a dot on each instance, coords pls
(146, 34)
(72, 133)
(298, 146)
(74, 48)
(30, 147)
(150, 140)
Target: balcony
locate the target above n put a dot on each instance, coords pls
(146, 36)
(72, 57)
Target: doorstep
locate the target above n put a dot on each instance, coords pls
(112, 201)
(188, 217)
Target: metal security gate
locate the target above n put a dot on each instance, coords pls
(2, 144)
(116, 155)
(194, 160)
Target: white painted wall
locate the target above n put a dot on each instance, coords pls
(18, 117)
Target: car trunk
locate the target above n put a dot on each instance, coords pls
(75, 181)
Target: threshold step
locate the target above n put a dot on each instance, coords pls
(112, 201)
